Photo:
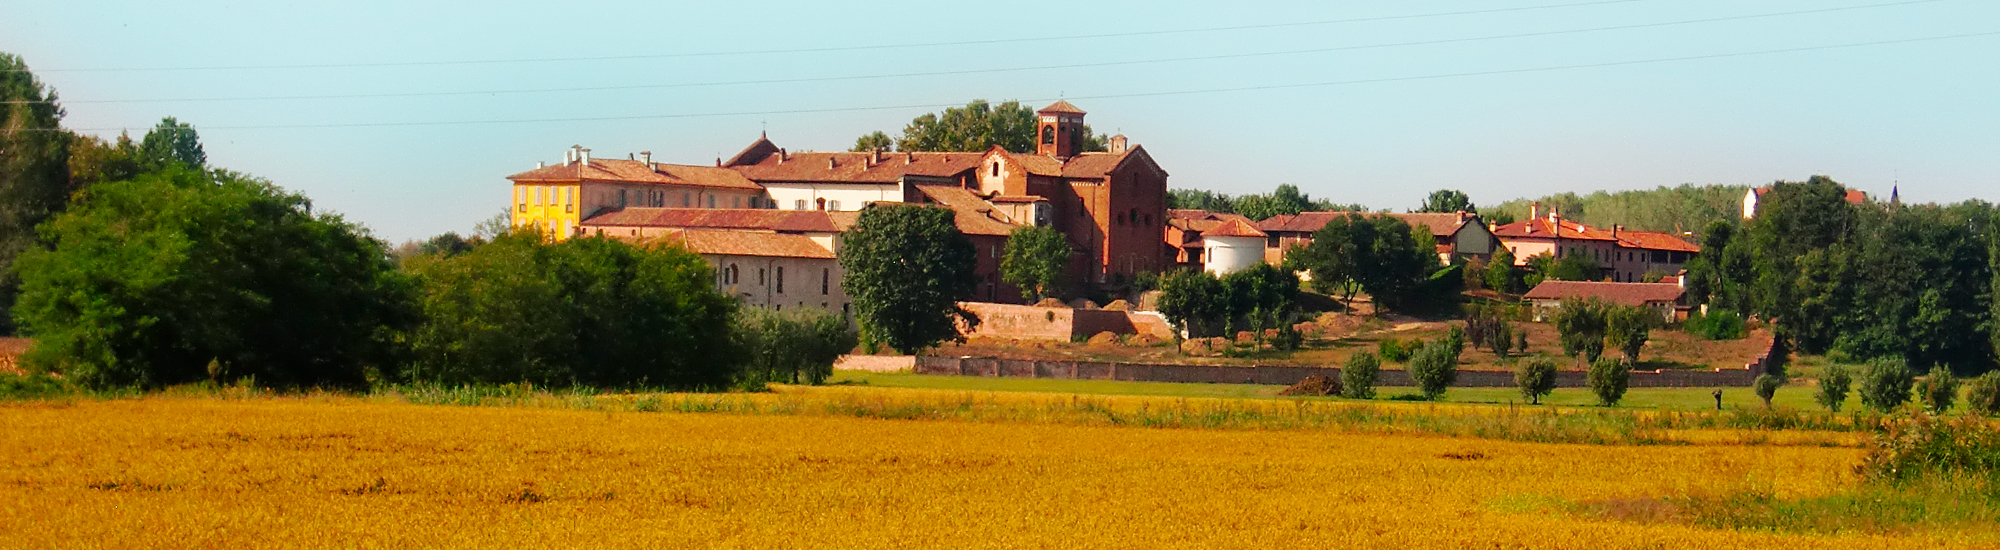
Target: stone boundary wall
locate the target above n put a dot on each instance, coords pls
(1059, 324)
(1288, 375)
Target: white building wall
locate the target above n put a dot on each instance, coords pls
(1225, 255)
(808, 282)
(849, 196)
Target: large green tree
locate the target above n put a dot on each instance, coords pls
(1035, 261)
(172, 142)
(977, 126)
(588, 311)
(183, 275)
(1447, 201)
(34, 166)
(1382, 255)
(907, 268)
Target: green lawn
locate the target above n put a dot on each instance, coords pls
(1794, 396)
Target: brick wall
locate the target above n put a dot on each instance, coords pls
(1059, 323)
(1287, 375)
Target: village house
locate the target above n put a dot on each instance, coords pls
(1662, 298)
(1184, 231)
(1459, 235)
(1622, 255)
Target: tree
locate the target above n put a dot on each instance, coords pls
(1434, 368)
(1501, 275)
(1035, 260)
(588, 311)
(794, 346)
(93, 160)
(1983, 394)
(1629, 328)
(1357, 379)
(1834, 385)
(1380, 255)
(1608, 378)
(1939, 390)
(873, 141)
(1448, 201)
(1536, 378)
(34, 167)
(172, 142)
(976, 127)
(1767, 386)
(182, 275)
(1667, 209)
(1581, 325)
(1194, 301)
(907, 268)
(1885, 384)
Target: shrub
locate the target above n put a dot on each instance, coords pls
(1834, 386)
(1767, 387)
(1434, 368)
(1718, 324)
(1393, 351)
(1982, 394)
(1886, 384)
(1923, 445)
(1608, 378)
(1357, 380)
(790, 346)
(1535, 378)
(1938, 390)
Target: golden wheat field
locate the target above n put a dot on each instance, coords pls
(344, 472)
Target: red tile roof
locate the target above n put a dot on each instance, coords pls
(1061, 106)
(1234, 227)
(1201, 220)
(1649, 240)
(1542, 228)
(1625, 294)
(973, 215)
(1093, 165)
(811, 221)
(847, 167)
(1017, 199)
(615, 170)
(745, 243)
(1039, 165)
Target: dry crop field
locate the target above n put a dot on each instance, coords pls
(373, 472)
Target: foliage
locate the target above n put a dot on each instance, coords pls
(34, 167)
(976, 127)
(172, 142)
(1255, 298)
(1194, 301)
(873, 141)
(1381, 255)
(1685, 207)
(1886, 383)
(1582, 325)
(1834, 385)
(797, 345)
(182, 275)
(1434, 368)
(1501, 273)
(1486, 326)
(1571, 267)
(1920, 445)
(907, 268)
(1982, 394)
(1608, 379)
(1628, 328)
(1448, 201)
(1286, 199)
(1035, 261)
(1536, 378)
(1394, 351)
(1767, 386)
(1939, 390)
(588, 311)
(1718, 324)
(93, 160)
(1357, 378)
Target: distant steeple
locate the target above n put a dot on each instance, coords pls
(1895, 199)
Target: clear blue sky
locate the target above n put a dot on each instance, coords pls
(1384, 135)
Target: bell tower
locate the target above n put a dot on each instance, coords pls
(1058, 130)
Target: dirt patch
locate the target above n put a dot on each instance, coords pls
(1314, 385)
(10, 355)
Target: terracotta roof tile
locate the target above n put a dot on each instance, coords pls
(637, 172)
(1233, 228)
(745, 243)
(847, 167)
(1649, 240)
(1625, 294)
(1440, 224)
(973, 215)
(1040, 165)
(1092, 165)
(1061, 106)
(1202, 220)
(1017, 199)
(1542, 228)
(811, 221)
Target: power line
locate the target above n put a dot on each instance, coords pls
(1102, 96)
(983, 71)
(846, 48)
(993, 70)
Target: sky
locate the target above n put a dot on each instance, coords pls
(1375, 103)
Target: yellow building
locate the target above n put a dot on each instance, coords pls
(556, 199)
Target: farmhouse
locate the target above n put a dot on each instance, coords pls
(1622, 255)
(1664, 298)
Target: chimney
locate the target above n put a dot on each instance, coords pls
(584, 154)
(781, 156)
(877, 156)
(909, 157)
(1117, 145)
(646, 157)
(1615, 228)
(1491, 227)
(829, 162)
(1534, 210)
(718, 162)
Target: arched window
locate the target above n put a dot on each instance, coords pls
(1048, 135)
(819, 204)
(996, 168)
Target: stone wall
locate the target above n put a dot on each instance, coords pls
(1287, 375)
(1059, 324)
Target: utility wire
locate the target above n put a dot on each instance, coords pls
(848, 48)
(1102, 96)
(987, 71)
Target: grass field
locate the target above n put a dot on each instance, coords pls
(1798, 396)
(374, 472)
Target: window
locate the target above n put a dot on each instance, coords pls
(825, 281)
(621, 198)
(799, 204)
(781, 279)
(1272, 241)
(541, 195)
(687, 199)
(760, 277)
(819, 204)
(996, 168)
(736, 202)
(833, 205)
(711, 201)
(1048, 135)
